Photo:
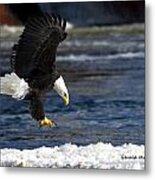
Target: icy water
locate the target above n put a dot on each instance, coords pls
(105, 77)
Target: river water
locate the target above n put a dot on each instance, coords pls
(105, 78)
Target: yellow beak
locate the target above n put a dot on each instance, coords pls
(66, 100)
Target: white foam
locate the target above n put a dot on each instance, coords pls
(10, 30)
(126, 55)
(83, 57)
(98, 156)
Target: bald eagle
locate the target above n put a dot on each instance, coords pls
(34, 70)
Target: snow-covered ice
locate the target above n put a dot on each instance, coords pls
(97, 156)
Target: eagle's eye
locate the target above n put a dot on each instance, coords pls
(65, 95)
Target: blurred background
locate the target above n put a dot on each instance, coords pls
(103, 63)
(77, 13)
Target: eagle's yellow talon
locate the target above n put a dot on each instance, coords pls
(47, 123)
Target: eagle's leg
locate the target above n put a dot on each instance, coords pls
(47, 123)
(37, 112)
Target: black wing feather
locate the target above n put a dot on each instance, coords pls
(36, 48)
(64, 24)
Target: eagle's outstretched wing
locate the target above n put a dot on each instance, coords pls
(35, 52)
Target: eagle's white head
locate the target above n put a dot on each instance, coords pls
(61, 89)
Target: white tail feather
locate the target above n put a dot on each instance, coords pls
(12, 85)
